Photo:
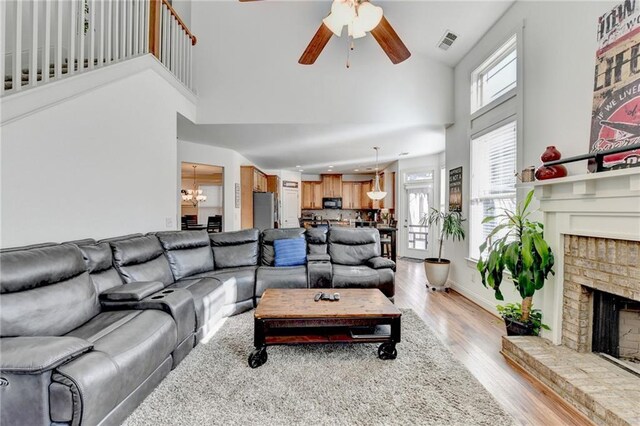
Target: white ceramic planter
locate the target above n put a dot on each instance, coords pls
(437, 272)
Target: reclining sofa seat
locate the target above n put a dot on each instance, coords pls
(141, 258)
(320, 271)
(63, 360)
(235, 258)
(355, 255)
(271, 276)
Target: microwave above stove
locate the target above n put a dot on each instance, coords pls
(332, 203)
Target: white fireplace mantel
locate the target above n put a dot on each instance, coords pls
(605, 205)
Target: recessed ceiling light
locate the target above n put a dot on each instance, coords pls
(331, 167)
(356, 170)
(301, 170)
(403, 153)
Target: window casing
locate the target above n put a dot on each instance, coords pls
(496, 77)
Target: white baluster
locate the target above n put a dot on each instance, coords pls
(145, 24)
(3, 47)
(83, 36)
(72, 38)
(46, 61)
(101, 36)
(59, 11)
(109, 27)
(164, 28)
(116, 31)
(17, 53)
(92, 32)
(33, 57)
(141, 33)
(129, 27)
(189, 76)
(174, 44)
(136, 26)
(123, 31)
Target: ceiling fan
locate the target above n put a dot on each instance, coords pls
(360, 17)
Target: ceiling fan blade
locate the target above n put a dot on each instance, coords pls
(390, 42)
(317, 43)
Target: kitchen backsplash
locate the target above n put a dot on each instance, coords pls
(331, 214)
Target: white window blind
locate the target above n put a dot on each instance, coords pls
(493, 168)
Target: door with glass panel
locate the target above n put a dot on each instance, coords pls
(418, 198)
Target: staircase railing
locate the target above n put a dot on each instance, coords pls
(45, 40)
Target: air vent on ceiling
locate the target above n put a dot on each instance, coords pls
(447, 40)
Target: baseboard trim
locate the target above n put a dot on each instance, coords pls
(489, 307)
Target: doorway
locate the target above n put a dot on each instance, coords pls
(418, 201)
(206, 181)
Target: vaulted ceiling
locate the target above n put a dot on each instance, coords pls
(254, 96)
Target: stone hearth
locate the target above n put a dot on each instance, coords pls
(592, 223)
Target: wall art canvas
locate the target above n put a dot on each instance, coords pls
(455, 190)
(615, 119)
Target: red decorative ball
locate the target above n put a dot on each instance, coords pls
(550, 154)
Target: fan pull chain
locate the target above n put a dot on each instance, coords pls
(351, 46)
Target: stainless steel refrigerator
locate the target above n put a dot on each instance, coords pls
(263, 210)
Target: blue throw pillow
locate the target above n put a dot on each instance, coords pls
(290, 252)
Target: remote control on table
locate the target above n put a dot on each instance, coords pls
(325, 296)
(317, 297)
(336, 296)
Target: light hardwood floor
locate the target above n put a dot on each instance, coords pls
(474, 336)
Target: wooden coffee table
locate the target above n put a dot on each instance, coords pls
(291, 316)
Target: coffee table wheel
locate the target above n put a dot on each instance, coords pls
(387, 351)
(257, 357)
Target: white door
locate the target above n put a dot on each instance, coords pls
(290, 208)
(416, 237)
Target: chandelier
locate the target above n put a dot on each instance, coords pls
(195, 195)
(376, 194)
(359, 16)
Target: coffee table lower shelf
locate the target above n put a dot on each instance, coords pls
(269, 332)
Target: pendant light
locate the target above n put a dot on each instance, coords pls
(376, 194)
(194, 195)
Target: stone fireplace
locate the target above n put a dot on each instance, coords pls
(589, 357)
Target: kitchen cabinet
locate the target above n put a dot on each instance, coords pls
(352, 195)
(332, 186)
(312, 193)
(365, 201)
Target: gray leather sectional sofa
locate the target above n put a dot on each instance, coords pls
(89, 328)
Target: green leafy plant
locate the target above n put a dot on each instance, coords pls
(451, 226)
(513, 312)
(517, 245)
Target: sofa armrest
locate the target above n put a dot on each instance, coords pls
(34, 355)
(177, 302)
(318, 258)
(381, 263)
(131, 292)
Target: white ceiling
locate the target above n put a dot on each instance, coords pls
(256, 99)
(315, 147)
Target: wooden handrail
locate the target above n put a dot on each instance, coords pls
(182, 24)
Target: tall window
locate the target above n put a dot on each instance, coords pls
(493, 166)
(496, 77)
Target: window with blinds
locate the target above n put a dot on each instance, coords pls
(493, 168)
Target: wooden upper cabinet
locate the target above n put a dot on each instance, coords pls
(356, 195)
(312, 195)
(332, 186)
(259, 181)
(347, 195)
(365, 201)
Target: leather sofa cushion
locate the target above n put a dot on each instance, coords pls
(106, 279)
(136, 341)
(136, 250)
(37, 354)
(208, 297)
(188, 252)
(51, 310)
(364, 277)
(235, 249)
(280, 277)
(234, 238)
(269, 236)
(239, 283)
(353, 246)
(132, 292)
(27, 269)
(141, 259)
(97, 257)
(381, 263)
(29, 247)
(316, 235)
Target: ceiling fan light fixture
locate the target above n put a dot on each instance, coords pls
(355, 30)
(334, 23)
(369, 16)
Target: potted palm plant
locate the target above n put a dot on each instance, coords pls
(517, 245)
(450, 223)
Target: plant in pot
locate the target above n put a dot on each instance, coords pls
(450, 227)
(517, 245)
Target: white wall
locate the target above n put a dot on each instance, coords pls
(247, 71)
(183, 7)
(97, 165)
(227, 158)
(559, 59)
